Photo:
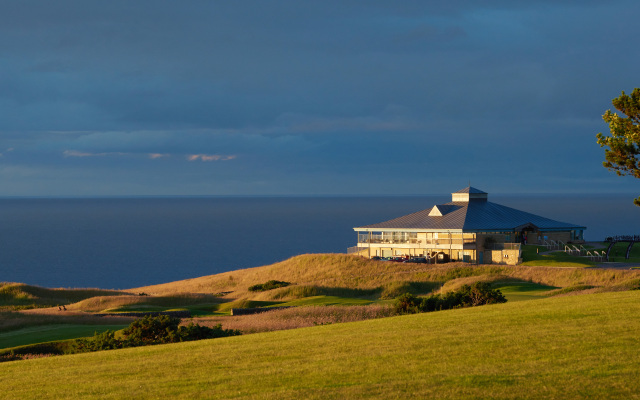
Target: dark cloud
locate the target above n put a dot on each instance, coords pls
(308, 97)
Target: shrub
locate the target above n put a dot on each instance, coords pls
(296, 292)
(147, 331)
(199, 332)
(269, 285)
(152, 330)
(478, 294)
(100, 341)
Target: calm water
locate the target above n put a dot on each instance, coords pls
(123, 243)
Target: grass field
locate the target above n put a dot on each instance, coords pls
(47, 333)
(566, 347)
(317, 280)
(531, 257)
(522, 291)
(619, 251)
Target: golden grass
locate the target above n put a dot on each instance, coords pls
(297, 317)
(353, 272)
(20, 294)
(320, 274)
(106, 303)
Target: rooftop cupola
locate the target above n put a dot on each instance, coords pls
(469, 194)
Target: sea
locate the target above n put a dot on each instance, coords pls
(119, 243)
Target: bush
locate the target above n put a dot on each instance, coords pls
(100, 341)
(151, 330)
(269, 285)
(478, 294)
(199, 332)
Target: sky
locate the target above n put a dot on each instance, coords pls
(119, 98)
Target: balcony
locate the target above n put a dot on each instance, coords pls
(422, 243)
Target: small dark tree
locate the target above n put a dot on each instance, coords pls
(152, 330)
(624, 142)
(407, 304)
(480, 293)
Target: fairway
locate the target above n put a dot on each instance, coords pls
(47, 333)
(569, 347)
(520, 291)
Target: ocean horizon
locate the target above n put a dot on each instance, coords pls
(129, 241)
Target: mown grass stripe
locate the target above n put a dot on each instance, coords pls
(569, 347)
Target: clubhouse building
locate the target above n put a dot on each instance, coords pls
(469, 228)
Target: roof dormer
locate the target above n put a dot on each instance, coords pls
(469, 194)
(441, 209)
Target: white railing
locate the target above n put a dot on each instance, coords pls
(379, 239)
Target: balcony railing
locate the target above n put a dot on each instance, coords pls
(379, 239)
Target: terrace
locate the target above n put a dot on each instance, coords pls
(411, 238)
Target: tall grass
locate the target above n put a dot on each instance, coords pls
(297, 317)
(311, 272)
(113, 303)
(20, 295)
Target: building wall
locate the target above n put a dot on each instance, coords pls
(509, 257)
(538, 237)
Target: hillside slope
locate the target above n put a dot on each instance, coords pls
(346, 271)
(569, 347)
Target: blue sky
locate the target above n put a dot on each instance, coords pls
(310, 98)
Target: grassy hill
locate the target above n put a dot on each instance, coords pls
(20, 295)
(316, 280)
(565, 347)
(339, 271)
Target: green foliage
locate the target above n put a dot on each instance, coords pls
(624, 142)
(165, 329)
(100, 341)
(478, 294)
(269, 285)
(151, 330)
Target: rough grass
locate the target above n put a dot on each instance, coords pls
(20, 295)
(565, 347)
(325, 279)
(326, 270)
(311, 273)
(298, 317)
(130, 302)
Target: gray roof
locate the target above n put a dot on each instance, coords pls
(474, 215)
(470, 189)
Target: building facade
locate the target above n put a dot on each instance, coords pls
(469, 228)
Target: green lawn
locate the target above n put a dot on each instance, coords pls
(520, 291)
(619, 251)
(48, 333)
(195, 309)
(555, 259)
(327, 301)
(569, 347)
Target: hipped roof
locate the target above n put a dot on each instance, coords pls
(475, 215)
